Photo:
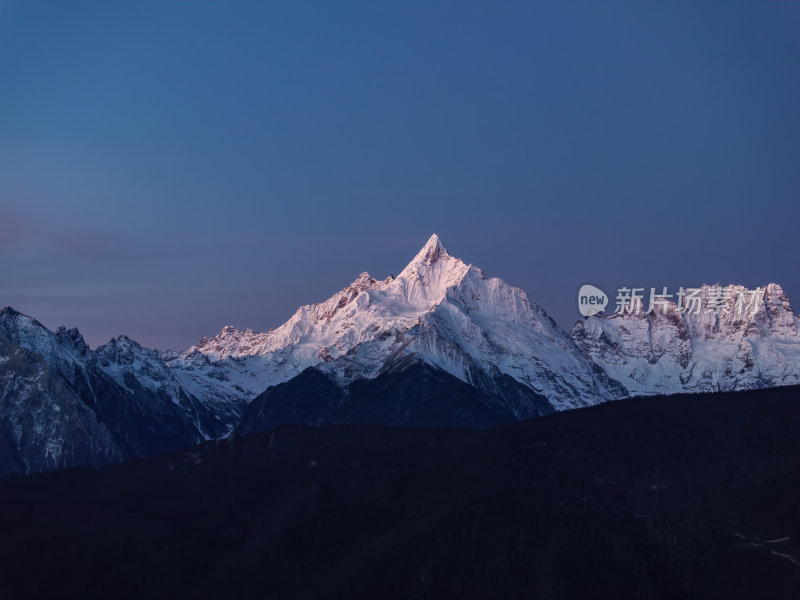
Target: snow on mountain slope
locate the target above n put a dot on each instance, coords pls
(353, 315)
(66, 405)
(698, 350)
(61, 350)
(438, 308)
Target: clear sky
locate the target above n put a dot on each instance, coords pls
(167, 168)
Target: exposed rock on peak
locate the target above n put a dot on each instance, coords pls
(432, 251)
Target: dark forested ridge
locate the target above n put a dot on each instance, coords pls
(680, 497)
(413, 395)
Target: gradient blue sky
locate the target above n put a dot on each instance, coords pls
(168, 168)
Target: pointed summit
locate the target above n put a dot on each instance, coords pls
(426, 279)
(432, 251)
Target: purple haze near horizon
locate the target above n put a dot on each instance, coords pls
(169, 168)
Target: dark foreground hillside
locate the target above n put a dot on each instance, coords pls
(682, 497)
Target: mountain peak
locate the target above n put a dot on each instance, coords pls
(432, 251)
(773, 288)
(362, 282)
(73, 337)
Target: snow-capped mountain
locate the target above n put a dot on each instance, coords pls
(62, 404)
(672, 351)
(440, 344)
(438, 309)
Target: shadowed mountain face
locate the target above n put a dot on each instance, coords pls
(62, 404)
(411, 395)
(677, 497)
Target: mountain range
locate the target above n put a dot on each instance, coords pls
(440, 344)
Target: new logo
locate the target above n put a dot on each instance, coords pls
(591, 300)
